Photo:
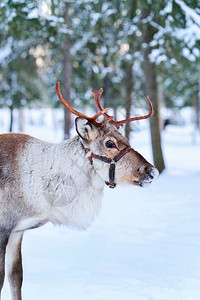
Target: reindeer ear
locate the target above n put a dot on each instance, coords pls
(85, 129)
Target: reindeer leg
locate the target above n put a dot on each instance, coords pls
(3, 242)
(14, 264)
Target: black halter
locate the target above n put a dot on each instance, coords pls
(111, 183)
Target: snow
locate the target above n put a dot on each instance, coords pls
(6, 50)
(94, 18)
(34, 14)
(191, 33)
(190, 12)
(167, 9)
(156, 56)
(145, 243)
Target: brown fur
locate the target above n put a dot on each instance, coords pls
(16, 157)
(133, 167)
(10, 147)
(12, 208)
(136, 160)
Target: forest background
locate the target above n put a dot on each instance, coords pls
(130, 48)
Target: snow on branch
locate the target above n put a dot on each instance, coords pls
(190, 13)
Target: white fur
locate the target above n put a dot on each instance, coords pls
(56, 183)
(60, 163)
(11, 257)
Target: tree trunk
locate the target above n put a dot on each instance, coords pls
(11, 119)
(21, 119)
(152, 92)
(67, 75)
(129, 69)
(106, 91)
(151, 88)
(160, 99)
(197, 93)
(129, 90)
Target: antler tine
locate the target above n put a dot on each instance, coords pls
(97, 95)
(118, 123)
(79, 114)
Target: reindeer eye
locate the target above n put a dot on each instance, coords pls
(110, 144)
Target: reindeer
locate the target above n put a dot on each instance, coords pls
(61, 183)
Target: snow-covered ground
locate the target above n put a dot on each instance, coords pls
(144, 245)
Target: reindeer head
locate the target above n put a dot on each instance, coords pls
(108, 150)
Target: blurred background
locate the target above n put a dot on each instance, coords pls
(130, 48)
(145, 242)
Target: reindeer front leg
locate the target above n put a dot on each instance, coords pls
(14, 264)
(3, 242)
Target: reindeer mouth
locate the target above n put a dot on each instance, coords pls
(147, 180)
(142, 183)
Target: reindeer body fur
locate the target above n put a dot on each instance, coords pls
(34, 190)
(39, 181)
(42, 182)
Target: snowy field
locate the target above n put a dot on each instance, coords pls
(144, 245)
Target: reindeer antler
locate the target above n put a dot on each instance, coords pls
(97, 95)
(79, 114)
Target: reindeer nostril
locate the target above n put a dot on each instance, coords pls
(143, 170)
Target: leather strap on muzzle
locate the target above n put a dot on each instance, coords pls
(111, 183)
